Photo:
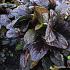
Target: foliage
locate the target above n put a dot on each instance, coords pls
(35, 35)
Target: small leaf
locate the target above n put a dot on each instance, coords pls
(33, 64)
(38, 26)
(19, 47)
(54, 68)
(68, 57)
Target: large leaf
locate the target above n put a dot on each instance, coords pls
(29, 37)
(37, 50)
(36, 56)
(54, 38)
(50, 37)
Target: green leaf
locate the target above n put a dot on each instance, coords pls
(22, 21)
(68, 57)
(38, 26)
(19, 47)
